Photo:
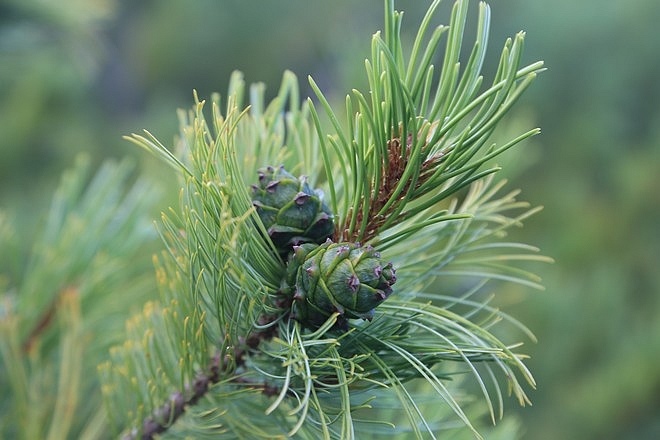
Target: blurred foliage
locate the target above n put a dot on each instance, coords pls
(598, 175)
(75, 75)
(65, 294)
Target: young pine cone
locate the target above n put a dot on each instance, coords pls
(290, 210)
(337, 277)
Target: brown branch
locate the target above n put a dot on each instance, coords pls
(163, 417)
(45, 319)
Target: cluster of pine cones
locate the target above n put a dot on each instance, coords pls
(322, 276)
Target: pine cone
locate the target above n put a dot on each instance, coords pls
(337, 277)
(290, 210)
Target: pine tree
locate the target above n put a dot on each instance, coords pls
(326, 274)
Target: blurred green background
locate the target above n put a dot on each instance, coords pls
(76, 75)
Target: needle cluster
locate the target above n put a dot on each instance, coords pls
(406, 178)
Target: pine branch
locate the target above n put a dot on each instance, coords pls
(260, 315)
(42, 325)
(167, 414)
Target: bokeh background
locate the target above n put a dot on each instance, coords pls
(76, 75)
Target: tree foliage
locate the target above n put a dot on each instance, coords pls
(410, 172)
(407, 167)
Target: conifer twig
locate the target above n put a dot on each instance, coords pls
(163, 417)
(44, 321)
(394, 174)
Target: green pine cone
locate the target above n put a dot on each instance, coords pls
(292, 212)
(337, 277)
